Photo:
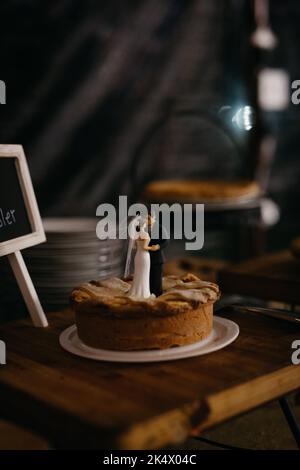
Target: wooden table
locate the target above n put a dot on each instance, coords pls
(274, 276)
(79, 403)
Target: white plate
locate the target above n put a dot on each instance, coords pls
(238, 204)
(70, 224)
(224, 332)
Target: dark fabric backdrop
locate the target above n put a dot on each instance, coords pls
(86, 79)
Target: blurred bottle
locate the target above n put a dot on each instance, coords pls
(270, 93)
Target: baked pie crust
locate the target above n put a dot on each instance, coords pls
(199, 190)
(107, 318)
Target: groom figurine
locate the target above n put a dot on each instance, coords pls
(157, 258)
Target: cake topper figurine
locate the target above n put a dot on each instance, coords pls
(148, 260)
(156, 256)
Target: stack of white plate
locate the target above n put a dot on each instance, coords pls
(72, 255)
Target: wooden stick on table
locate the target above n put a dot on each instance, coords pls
(27, 288)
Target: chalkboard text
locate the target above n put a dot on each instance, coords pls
(7, 217)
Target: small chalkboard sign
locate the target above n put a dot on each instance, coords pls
(20, 222)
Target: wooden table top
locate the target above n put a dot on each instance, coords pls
(80, 403)
(274, 276)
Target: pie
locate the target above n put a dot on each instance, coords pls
(108, 318)
(198, 190)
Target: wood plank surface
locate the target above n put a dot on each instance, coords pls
(270, 277)
(79, 403)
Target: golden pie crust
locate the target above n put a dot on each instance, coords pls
(107, 318)
(198, 190)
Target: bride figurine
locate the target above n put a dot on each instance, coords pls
(140, 287)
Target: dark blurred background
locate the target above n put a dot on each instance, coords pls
(87, 79)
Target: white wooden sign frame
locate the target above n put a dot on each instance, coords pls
(12, 248)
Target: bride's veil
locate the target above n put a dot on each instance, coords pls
(132, 233)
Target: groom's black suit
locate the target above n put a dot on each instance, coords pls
(157, 261)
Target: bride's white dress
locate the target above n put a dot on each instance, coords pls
(140, 287)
